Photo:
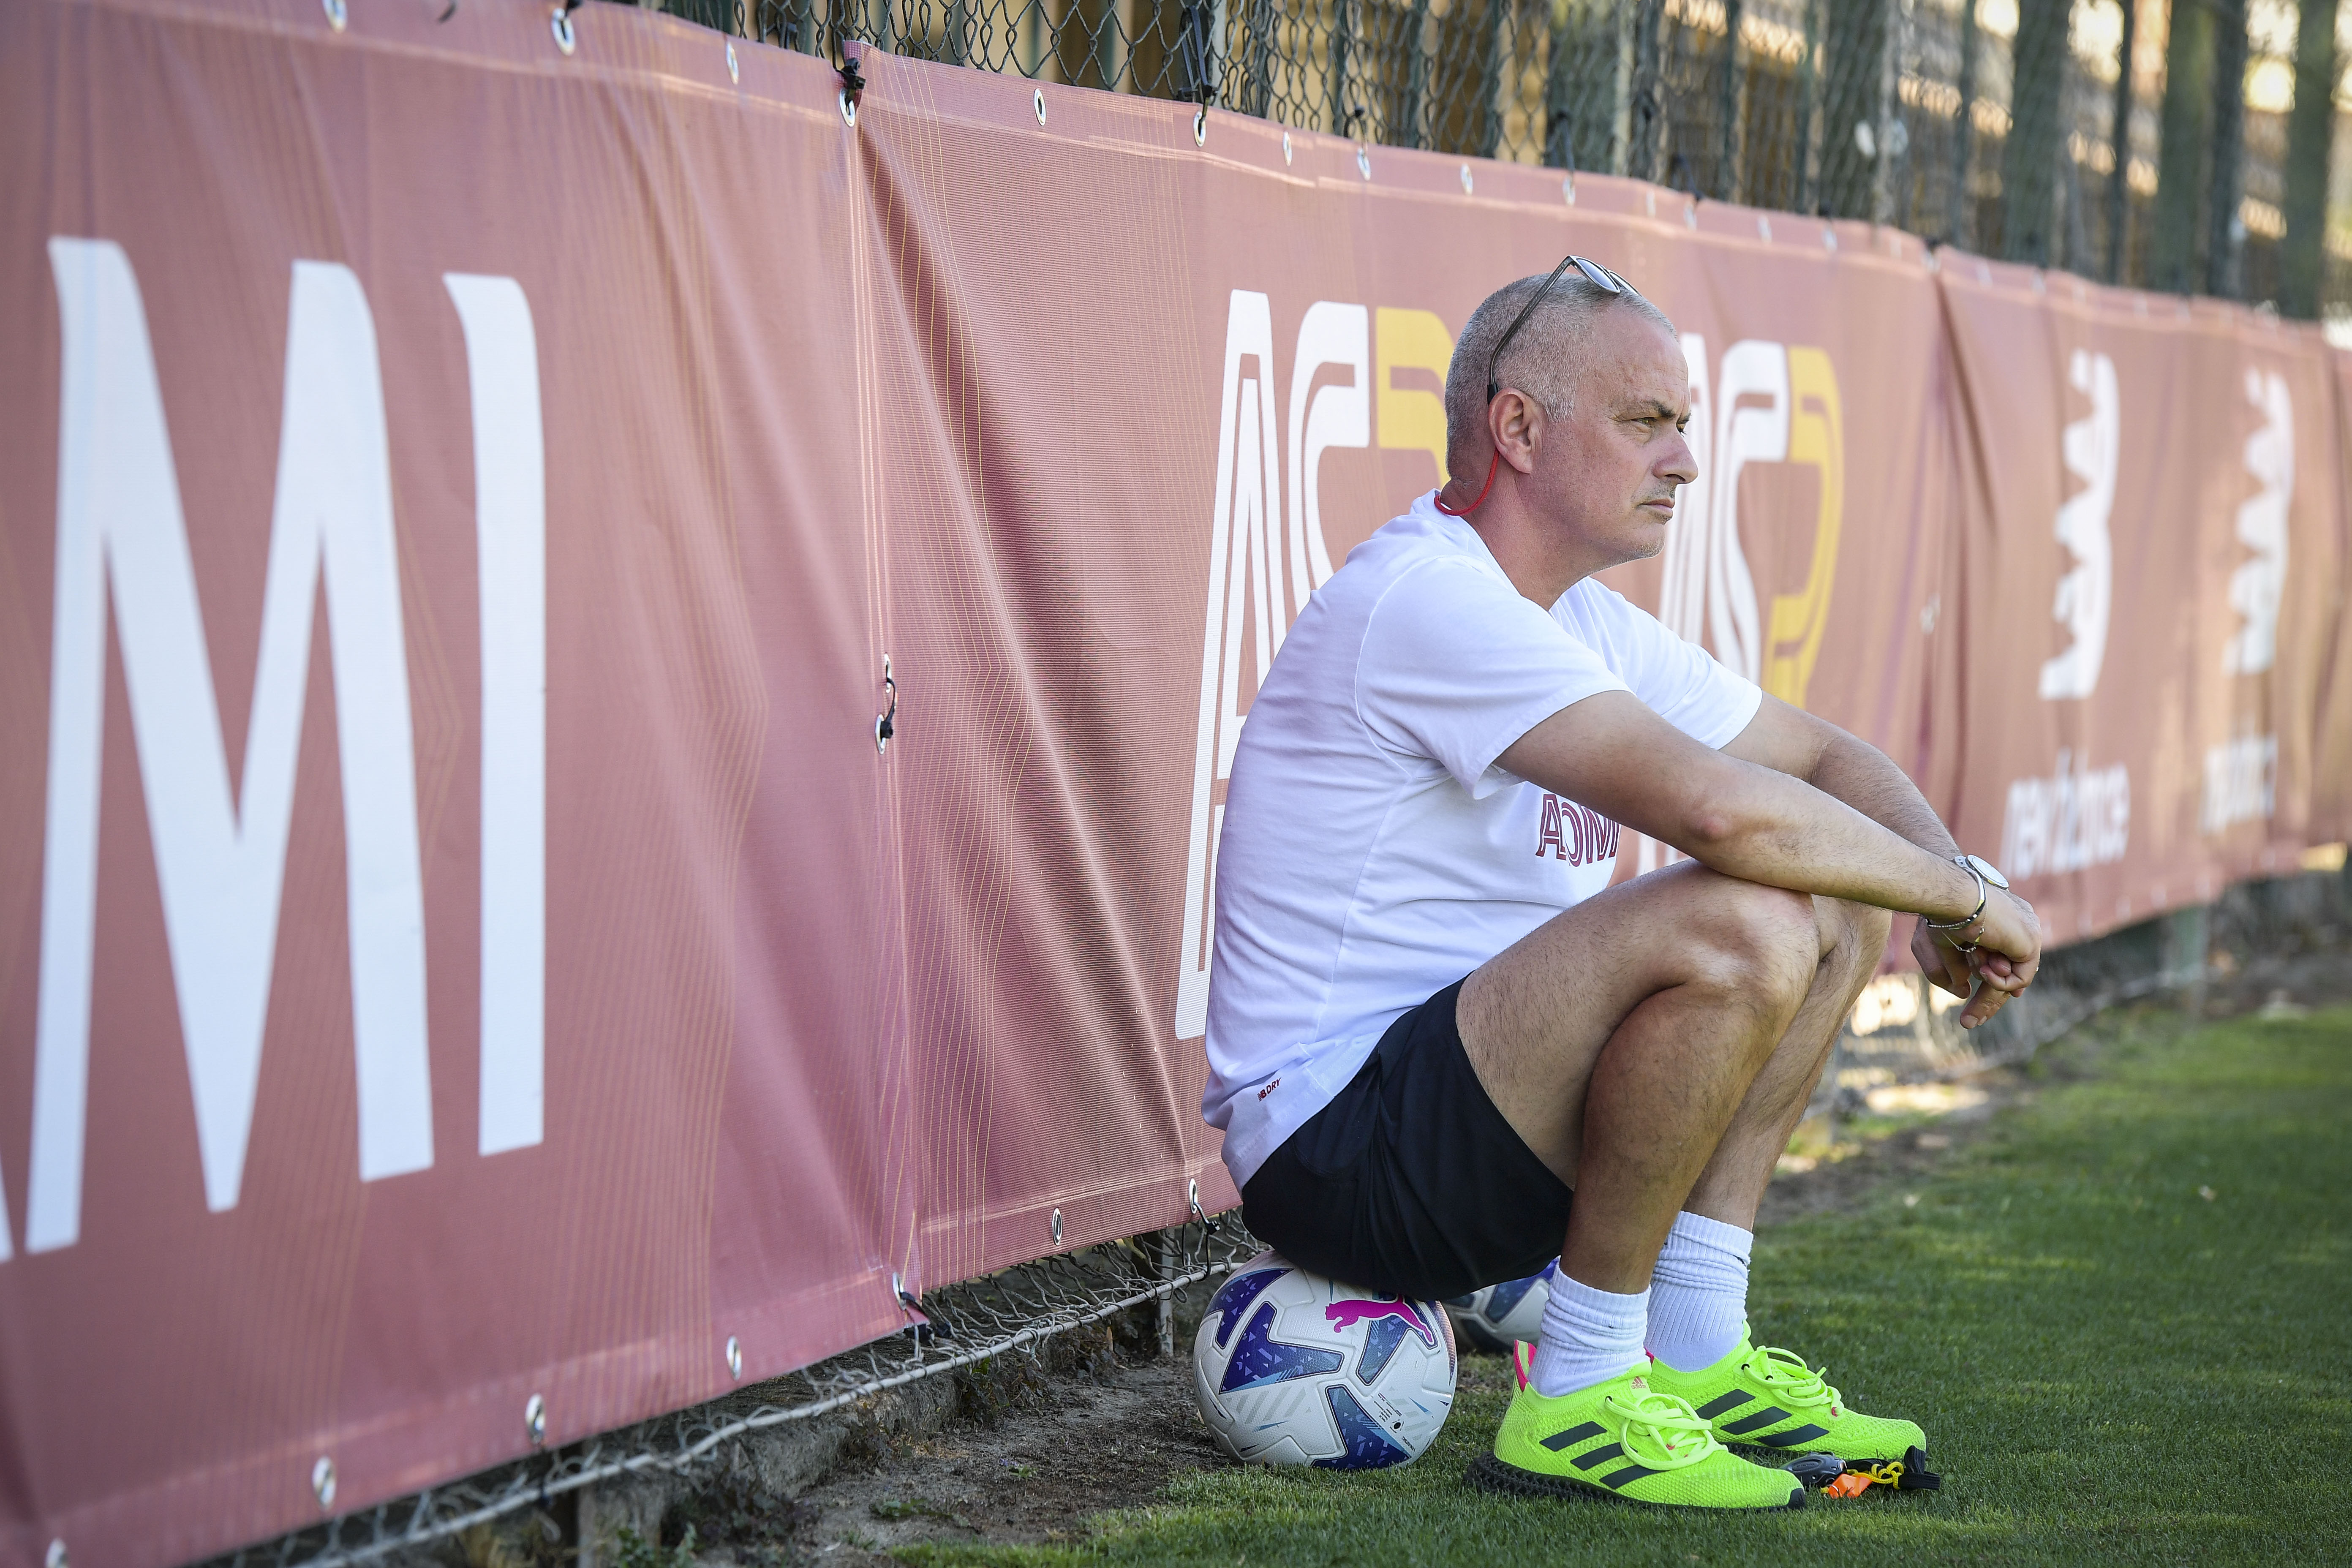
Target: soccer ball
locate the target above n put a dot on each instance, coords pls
(1293, 1369)
(1495, 1317)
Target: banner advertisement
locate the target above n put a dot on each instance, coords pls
(621, 674)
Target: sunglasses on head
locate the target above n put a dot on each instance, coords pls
(1600, 276)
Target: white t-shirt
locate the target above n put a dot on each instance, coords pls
(1372, 853)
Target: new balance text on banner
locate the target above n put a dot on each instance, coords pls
(464, 939)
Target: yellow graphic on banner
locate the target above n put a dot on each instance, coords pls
(1410, 418)
(1817, 436)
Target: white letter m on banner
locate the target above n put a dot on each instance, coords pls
(220, 861)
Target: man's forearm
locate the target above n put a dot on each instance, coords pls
(1787, 832)
(1866, 779)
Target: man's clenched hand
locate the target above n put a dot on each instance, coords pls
(2007, 956)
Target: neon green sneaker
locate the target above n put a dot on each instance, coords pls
(1761, 1398)
(1620, 1439)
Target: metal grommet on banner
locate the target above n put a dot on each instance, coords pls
(339, 16)
(734, 1358)
(1057, 1228)
(1363, 161)
(1200, 126)
(734, 72)
(534, 1420)
(323, 1483)
(1285, 149)
(559, 24)
(1040, 98)
(851, 84)
(1466, 185)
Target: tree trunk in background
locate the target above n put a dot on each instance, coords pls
(1856, 34)
(2119, 142)
(2028, 161)
(2310, 135)
(2225, 232)
(2181, 161)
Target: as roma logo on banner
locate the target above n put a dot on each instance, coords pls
(1765, 402)
(1267, 550)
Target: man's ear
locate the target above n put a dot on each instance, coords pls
(1516, 424)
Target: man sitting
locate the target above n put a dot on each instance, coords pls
(1426, 790)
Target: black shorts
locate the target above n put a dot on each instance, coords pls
(1410, 1183)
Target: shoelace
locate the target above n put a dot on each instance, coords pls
(1661, 1431)
(1793, 1383)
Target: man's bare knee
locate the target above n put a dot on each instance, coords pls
(1853, 940)
(1762, 942)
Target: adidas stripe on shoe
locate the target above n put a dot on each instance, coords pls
(1625, 1441)
(1767, 1399)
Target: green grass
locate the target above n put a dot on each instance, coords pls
(2110, 1366)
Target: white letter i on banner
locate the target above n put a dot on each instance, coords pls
(511, 526)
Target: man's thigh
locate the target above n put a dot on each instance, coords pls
(1535, 1017)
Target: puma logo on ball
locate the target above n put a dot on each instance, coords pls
(1346, 1315)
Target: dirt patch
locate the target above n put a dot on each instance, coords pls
(1036, 1473)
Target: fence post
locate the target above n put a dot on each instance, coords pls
(2119, 147)
(1164, 1256)
(1621, 111)
(1808, 90)
(1343, 38)
(2180, 157)
(1407, 132)
(2225, 234)
(2185, 935)
(1852, 95)
(1258, 85)
(1957, 229)
(1642, 158)
(1891, 136)
(1559, 132)
(2029, 161)
(2310, 137)
(1498, 50)
(1735, 97)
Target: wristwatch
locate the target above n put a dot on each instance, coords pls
(1988, 875)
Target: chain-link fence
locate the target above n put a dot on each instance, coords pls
(2171, 144)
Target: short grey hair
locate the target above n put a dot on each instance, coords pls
(1543, 361)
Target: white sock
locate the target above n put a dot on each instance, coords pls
(1589, 1336)
(1698, 1293)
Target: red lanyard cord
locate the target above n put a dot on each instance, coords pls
(1465, 511)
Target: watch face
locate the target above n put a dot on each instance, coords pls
(1987, 870)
